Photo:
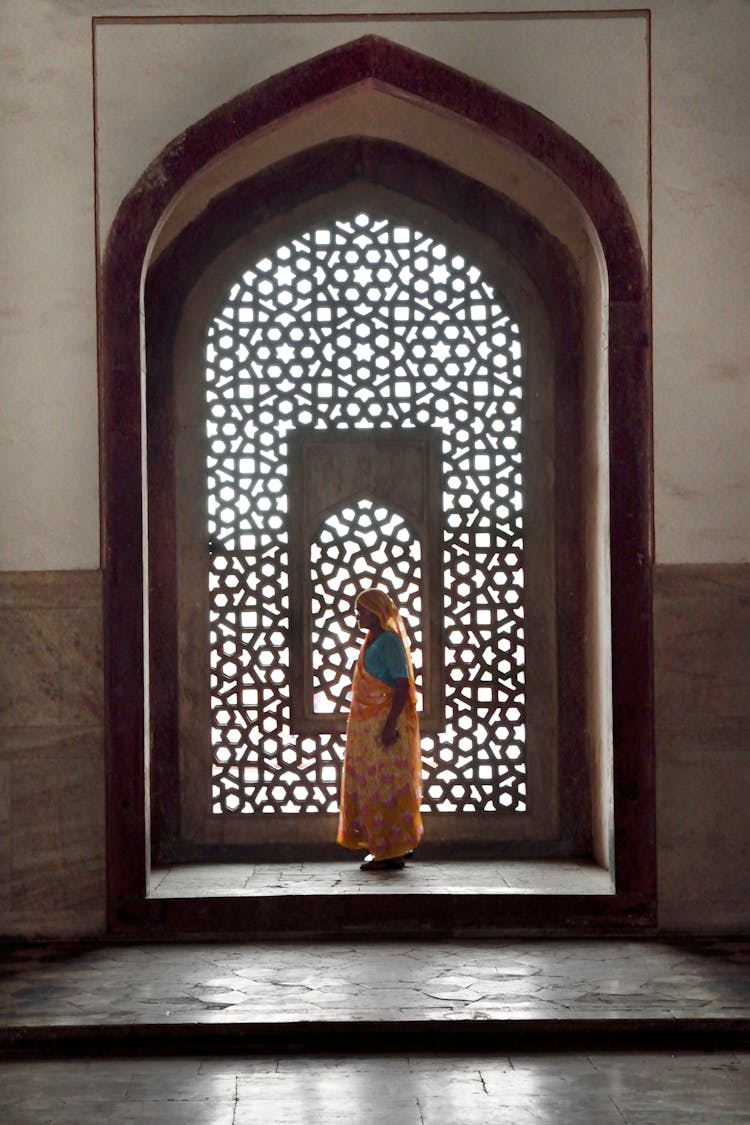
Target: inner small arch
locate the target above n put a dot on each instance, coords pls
(363, 544)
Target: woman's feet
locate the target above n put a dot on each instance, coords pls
(370, 863)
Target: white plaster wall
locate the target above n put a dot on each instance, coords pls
(701, 216)
(589, 75)
(152, 79)
(48, 380)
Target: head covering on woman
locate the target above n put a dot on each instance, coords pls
(389, 618)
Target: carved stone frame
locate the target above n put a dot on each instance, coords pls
(181, 292)
(422, 449)
(632, 905)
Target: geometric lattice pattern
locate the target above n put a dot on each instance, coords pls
(360, 546)
(364, 323)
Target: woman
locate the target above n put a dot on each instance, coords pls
(381, 785)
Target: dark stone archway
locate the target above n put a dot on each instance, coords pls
(633, 903)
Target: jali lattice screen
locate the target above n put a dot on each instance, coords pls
(364, 544)
(364, 323)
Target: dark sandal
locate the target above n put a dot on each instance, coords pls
(372, 864)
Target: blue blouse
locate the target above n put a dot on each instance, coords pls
(385, 659)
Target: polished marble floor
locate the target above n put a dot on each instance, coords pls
(384, 983)
(343, 877)
(376, 1033)
(637, 1088)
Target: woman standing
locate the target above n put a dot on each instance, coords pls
(381, 785)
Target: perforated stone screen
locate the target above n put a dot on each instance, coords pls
(367, 323)
(362, 545)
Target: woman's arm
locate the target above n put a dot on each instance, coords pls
(400, 695)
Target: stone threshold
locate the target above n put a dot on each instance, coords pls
(343, 877)
(564, 1034)
(383, 996)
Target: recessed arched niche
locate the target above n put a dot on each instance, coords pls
(372, 124)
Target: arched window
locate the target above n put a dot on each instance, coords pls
(552, 485)
(366, 325)
(364, 368)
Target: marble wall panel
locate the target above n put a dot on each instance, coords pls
(703, 649)
(51, 639)
(702, 668)
(704, 853)
(5, 838)
(55, 885)
(52, 836)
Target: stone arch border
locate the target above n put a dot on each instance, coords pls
(630, 487)
(309, 186)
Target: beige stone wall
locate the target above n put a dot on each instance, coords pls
(599, 76)
(702, 651)
(51, 754)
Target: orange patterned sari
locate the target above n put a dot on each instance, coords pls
(381, 787)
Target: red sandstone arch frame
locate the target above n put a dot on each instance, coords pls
(633, 903)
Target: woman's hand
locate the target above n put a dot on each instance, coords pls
(400, 694)
(390, 734)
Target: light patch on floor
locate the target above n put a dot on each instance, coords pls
(419, 877)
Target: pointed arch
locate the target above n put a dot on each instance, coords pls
(377, 63)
